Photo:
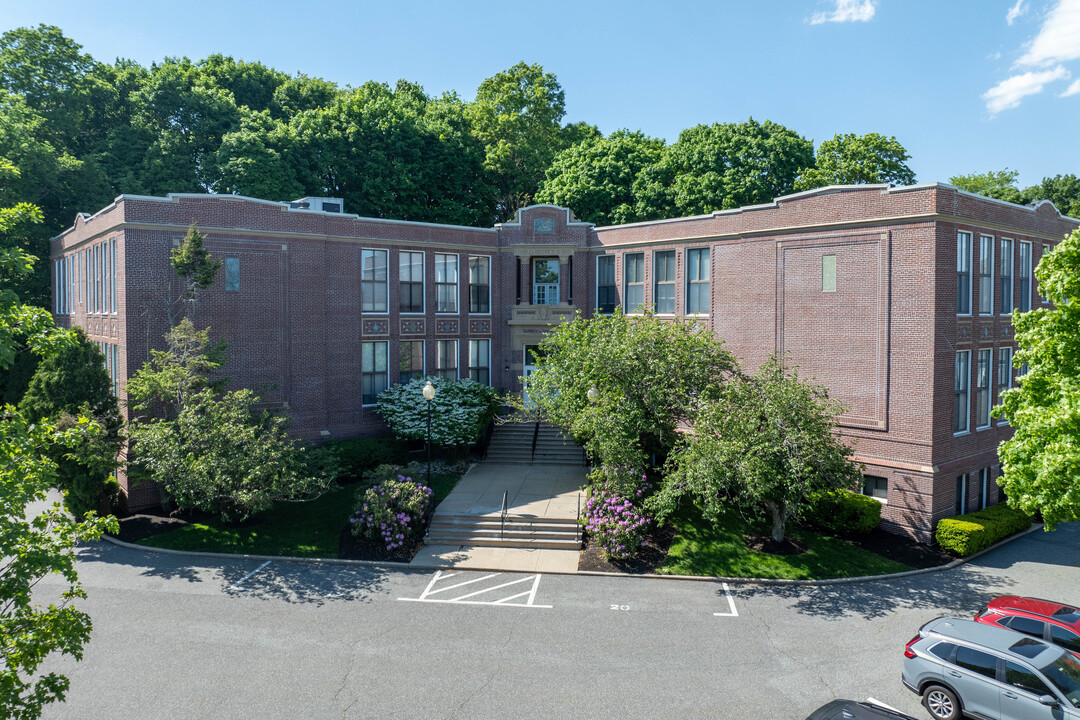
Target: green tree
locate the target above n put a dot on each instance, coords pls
(459, 413)
(595, 177)
(650, 375)
(766, 444)
(852, 159)
(517, 115)
(194, 264)
(170, 377)
(1041, 461)
(222, 456)
(999, 184)
(1062, 190)
(722, 166)
(70, 384)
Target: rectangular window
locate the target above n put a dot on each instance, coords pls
(605, 283)
(1006, 277)
(115, 373)
(232, 274)
(546, 281)
(634, 282)
(106, 279)
(961, 495)
(1043, 249)
(984, 487)
(982, 388)
(1024, 271)
(480, 361)
(411, 360)
(697, 281)
(828, 273)
(373, 371)
(664, 281)
(100, 256)
(876, 487)
(446, 361)
(446, 283)
(374, 289)
(1004, 376)
(963, 273)
(112, 277)
(961, 401)
(56, 285)
(79, 265)
(480, 285)
(986, 275)
(411, 281)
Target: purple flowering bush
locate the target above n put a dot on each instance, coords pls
(392, 511)
(611, 513)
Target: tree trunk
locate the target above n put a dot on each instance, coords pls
(779, 520)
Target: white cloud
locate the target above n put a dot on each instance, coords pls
(846, 11)
(1073, 89)
(1058, 39)
(1016, 11)
(1008, 93)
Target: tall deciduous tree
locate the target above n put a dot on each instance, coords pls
(1041, 461)
(766, 444)
(595, 178)
(999, 184)
(858, 159)
(1062, 190)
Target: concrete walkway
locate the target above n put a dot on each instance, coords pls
(534, 491)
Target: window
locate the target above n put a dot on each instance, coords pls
(876, 487)
(982, 388)
(96, 278)
(605, 283)
(1020, 677)
(1028, 626)
(1025, 277)
(943, 650)
(480, 361)
(634, 276)
(664, 281)
(986, 275)
(984, 487)
(961, 401)
(963, 273)
(961, 494)
(411, 360)
(976, 661)
(1043, 249)
(115, 373)
(446, 283)
(828, 273)
(1065, 638)
(411, 281)
(697, 281)
(447, 359)
(232, 274)
(112, 279)
(546, 281)
(1006, 277)
(373, 371)
(480, 285)
(1004, 376)
(373, 281)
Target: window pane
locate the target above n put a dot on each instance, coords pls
(373, 280)
(986, 275)
(635, 296)
(828, 273)
(1065, 638)
(479, 285)
(960, 406)
(1028, 626)
(665, 298)
(963, 273)
(982, 388)
(976, 661)
(232, 274)
(1024, 679)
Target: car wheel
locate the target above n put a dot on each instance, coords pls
(941, 702)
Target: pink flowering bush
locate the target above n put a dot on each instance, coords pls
(611, 513)
(392, 511)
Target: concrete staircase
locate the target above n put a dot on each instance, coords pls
(532, 443)
(516, 532)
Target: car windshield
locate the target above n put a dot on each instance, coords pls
(1064, 673)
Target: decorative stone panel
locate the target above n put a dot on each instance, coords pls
(413, 326)
(447, 326)
(479, 327)
(380, 326)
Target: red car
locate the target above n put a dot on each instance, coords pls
(1047, 620)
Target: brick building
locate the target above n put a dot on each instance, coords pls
(897, 299)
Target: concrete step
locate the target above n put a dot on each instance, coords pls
(508, 543)
(510, 519)
(464, 534)
(485, 525)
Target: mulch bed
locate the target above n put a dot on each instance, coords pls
(645, 562)
(360, 548)
(902, 549)
(154, 521)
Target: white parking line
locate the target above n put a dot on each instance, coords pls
(731, 604)
(465, 599)
(236, 585)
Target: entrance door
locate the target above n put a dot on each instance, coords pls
(530, 352)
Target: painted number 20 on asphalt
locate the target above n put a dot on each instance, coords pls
(620, 607)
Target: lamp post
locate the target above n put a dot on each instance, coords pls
(429, 395)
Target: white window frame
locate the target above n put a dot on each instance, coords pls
(386, 292)
(489, 293)
(987, 353)
(1024, 275)
(627, 310)
(614, 285)
(457, 283)
(1007, 287)
(374, 371)
(967, 392)
(707, 282)
(439, 355)
(1008, 375)
(963, 267)
(986, 243)
(112, 279)
(474, 354)
(423, 282)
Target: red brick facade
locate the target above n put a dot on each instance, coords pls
(883, 336)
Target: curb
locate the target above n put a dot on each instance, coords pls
(588, 573)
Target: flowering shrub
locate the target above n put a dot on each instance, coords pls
(459, 412)
(392, 511)
(616, 523)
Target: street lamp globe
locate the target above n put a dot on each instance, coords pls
(593, 394)
(429, 391)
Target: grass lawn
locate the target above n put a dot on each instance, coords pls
(306, 529)
(707, 549)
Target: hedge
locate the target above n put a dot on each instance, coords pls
(841, 512)
(966, 534)
(360, 455)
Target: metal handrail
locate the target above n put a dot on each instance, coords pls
(536, 435)
(502, 519)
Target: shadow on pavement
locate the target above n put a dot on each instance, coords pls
(304, 583)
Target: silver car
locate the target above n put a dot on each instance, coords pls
(960, 667)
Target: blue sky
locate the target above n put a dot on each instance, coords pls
(965, 85)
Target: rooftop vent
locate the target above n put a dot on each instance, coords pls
(331, 205)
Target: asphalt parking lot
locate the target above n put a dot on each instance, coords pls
(187, 637)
